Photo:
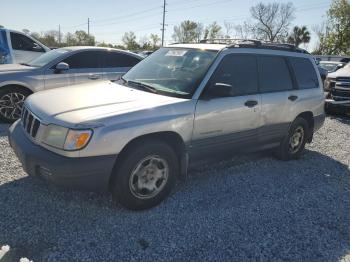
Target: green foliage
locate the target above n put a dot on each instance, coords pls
(51, 38)
(213, 31)
(299, 36)
(188, 32)
(129, 40)
(336, 38)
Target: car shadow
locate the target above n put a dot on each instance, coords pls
(343, 118)
(241, 208)
(3, 129)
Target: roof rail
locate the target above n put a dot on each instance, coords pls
(229, 41)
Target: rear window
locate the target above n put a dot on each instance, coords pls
(274, 75)
(305, 73)
(115, 59)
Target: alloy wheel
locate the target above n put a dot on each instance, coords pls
(149, 177)
(11, 105)
(296, 140)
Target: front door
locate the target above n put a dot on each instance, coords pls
(84, 66)
(232, 121)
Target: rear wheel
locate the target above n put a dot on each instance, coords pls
(294, 142)
(11, 103)
(146, 175)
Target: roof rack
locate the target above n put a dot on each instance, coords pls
(254, 43)
(229, 41)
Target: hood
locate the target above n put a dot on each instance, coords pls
(12, 68)
(343, 72)
(92, 102)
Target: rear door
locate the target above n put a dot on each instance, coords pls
(116, 64)
(310, 90)
(278, 94)
(230, 122)
(24, 48)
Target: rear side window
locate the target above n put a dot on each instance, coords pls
(274, 75)
(115, 59)
(304, 73)
(85, 59)
(24, 43)
(239, 71)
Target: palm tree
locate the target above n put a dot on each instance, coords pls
(300, 35)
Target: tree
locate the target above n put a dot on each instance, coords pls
(299, 35)
(82, 38)
(229, 27)
(155, 41)
(334, 36)
(145, 43)
(213, 31)
(129, 40)
(1, 26)
(272, 21)
(187, 32)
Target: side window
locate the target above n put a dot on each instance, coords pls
(24, 43)
(85, 59)
(304, 73)
(115, 59)
(274, 75)
(239, 71)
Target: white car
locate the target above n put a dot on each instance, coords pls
(17, 47)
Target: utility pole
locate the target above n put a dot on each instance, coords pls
(163, 24)
(88, 26)
(59, 34)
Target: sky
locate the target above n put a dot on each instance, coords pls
(109, 19)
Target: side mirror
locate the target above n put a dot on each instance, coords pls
(220, 90)
(61, 67)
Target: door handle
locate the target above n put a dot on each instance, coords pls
(292, 98)
(94, 77)
(251, 103)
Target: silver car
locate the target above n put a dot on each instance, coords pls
(136, 137)
(57, 68)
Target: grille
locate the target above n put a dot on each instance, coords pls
(340, 90)
(30, 123)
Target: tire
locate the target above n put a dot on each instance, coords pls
(289, 149)
(11, 103)
(146, 175)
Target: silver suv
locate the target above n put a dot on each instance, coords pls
(136, 137)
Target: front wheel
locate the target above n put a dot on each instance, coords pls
(294, 142)
(146, 175)
(11, 103)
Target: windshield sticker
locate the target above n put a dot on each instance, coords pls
(176, 53)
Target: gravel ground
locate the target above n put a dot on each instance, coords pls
(251, 208)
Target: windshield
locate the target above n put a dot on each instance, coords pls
(172, 71)
(46, 58)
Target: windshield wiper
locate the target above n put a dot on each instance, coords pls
(142, 85)
(25, 64)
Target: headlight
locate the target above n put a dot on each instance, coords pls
(64, 138)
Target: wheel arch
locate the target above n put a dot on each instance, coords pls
(309, 117)
(18, 85)
(173, 139)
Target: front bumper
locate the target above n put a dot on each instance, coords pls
(86, 173)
